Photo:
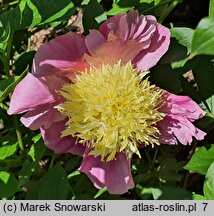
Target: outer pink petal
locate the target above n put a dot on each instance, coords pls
(62, 55)
(41, 117)
(53, 140)
(32, 92)
(159, 45)
(115, 175)
(110, 25)
(94, 40)
(177, 125)
(183, 106)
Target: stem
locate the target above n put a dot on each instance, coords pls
(155, 156)
(4, 106)
(207, 106)
(72, 191)
(190, 155)
(156, 6)
(12, 162)
(148, 158)
(9, 4)
(18, 134)
(7, 55)
(52, 161)
(168, 10)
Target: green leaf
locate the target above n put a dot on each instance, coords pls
(171, 193)
(5, 83)
(203, 72)
(100, 192)
(5, 34)
(8, 184)
(211, 8)
(201, 160)
(183, 36)
(175, 53)
(143, 192)
(168, 170)
(209, 183)
(198, 197)
(93, 16)
(210, 103)
(36, 153)
(30, 13)
(38, 149)
(53, 185)
(117, 10)
(24, 60)
(25, 173)
(7, 150)
(203, 38)
(10, 87)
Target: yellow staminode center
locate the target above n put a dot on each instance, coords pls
(113, 108)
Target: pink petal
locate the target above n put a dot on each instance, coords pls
(32, 92)
(110, 25)
(113, 51)
(159, 45)
(151, 40)
(183, 105)
(53, 140)
(41, 117)
(177, 125)
(166, 135)
(115, 175)
(62, 55)
(94, 40)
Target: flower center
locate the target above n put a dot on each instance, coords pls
(112, 108)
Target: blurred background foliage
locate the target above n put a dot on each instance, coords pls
(28, 170)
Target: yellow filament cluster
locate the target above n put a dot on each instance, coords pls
(113, 108)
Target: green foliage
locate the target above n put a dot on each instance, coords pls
(204, 79)
(93, 16)
(171, 193)
(10, 87)
(209, 183)
(211, 9)
(203, 38)
(201, 160)
(183, 35)
(52, 186)
(29, 13)
(8, 184)
(29, 170)
(8, 150)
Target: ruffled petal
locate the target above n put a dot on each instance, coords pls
(112, 51)
(110, 25)
(94, 40)
(42, 116)
(62, 56)
(53, 140)
(115, 174)
(177, 125)
(32, 92)
(182, 106)
(159, 45)
(145, 40)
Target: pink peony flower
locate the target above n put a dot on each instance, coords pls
(105, 115)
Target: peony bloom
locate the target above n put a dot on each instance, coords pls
(89, 97)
